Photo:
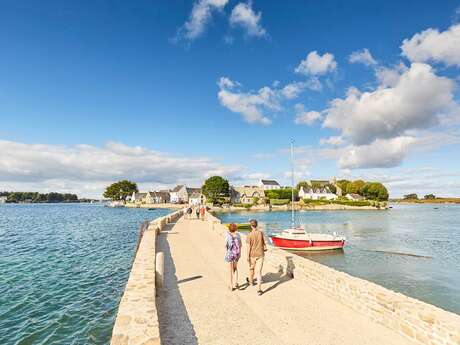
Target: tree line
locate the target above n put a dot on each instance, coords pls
(35, 197)
(414, 196)
(369, 190)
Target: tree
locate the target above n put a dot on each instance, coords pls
(429, 197)
(355, 187)
(375, 191)
(303, 184)
(215, 189)
(332, 188)
(120, 190)
(343, 184)
(411, 196)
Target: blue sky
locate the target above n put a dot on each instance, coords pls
(175, 91)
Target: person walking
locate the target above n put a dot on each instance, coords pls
(197, 212)
(233, 253)
(189, 212)
(202, 212)
(256, 252)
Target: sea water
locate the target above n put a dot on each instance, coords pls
(63, 269)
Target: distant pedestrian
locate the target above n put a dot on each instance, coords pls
(202, 212)
(233, 247)
(256, 253)
(189, 213)
(197, 212)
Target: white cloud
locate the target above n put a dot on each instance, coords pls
(435, 46)
(362, 56)
(333, 141)
(304, 117)
(251, 105)
(315, 64)
(314, 84)
(389, 77)
(244, 16)
(87, 169)
(200, 16)
(293, 90)
(381, 153)
(415, 102)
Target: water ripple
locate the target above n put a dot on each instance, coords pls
(63, 270)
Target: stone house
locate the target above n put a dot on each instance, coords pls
(155, 197)
(246, 194)
(138, 198)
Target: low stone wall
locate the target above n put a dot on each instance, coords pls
(137, 318)
(417, 320)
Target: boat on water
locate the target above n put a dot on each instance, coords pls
(297, 238)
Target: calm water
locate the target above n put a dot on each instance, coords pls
(63, 268)
(410, 229)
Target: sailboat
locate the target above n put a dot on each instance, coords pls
(296, 238)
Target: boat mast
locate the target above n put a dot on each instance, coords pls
(292, 184)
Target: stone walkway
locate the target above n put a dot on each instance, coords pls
(196, 307)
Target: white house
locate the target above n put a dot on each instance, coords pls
(320, 193)
(195, 197)
(269, 184)
(179, 194)
(3, 199)
(354, 197)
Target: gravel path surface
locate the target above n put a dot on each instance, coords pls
(196, 307)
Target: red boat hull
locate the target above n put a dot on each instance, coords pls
(292, 244)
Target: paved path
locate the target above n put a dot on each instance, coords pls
(196, 306)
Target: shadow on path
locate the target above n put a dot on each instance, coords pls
(283, 275)
(175, 324)
(188, 279)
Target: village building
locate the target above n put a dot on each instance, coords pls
(195, 197)
(155, 197)
(320, 189)
(269, 184)
(354, 197)
(318, 193)
(246, 194)
(3, 199)
(138, 198)
(178, 194)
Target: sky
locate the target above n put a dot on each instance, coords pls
(172, 92)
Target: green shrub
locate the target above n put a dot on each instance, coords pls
(315, 202)
(279, 201)
(247, 206)
(283, 193)
(352, 203)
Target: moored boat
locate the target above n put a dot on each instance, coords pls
(296, 238)
(299, 239)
